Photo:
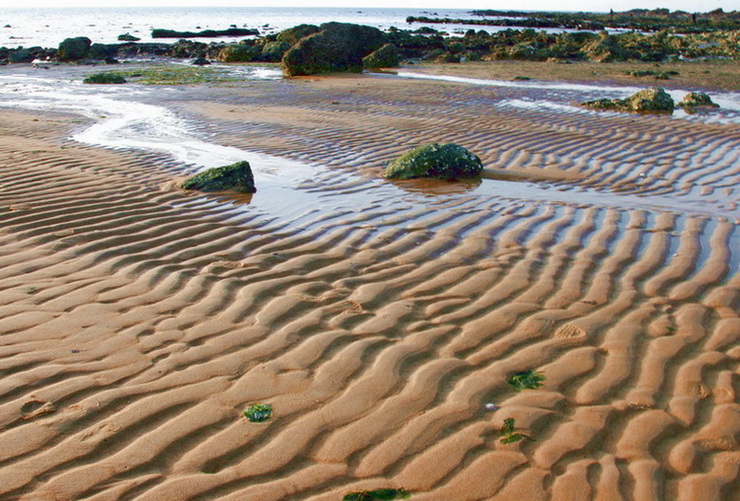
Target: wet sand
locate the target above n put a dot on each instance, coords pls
(379, 319)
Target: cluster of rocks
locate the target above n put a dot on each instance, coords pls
(303, 50)
(653, 100)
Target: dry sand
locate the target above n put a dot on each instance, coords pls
(138, 323)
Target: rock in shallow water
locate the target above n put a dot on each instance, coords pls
(697, 99)
(653, 100)
(234, 177)
(441, 161)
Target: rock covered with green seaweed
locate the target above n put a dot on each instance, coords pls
(235, 177)
(653, 100)
(440, 161)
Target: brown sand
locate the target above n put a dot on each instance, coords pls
(137, 324)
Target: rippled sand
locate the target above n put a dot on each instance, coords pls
(378, 319)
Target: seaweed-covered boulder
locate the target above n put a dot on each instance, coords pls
(653, 100)
(21, 56)
(234, 177)
(238, 53)
(273, 51)
(697, 99)
(104, 78)
(441, 161)
(73, 49)
(385, 57)
(291, 36)
(100, 51)
(339, 47)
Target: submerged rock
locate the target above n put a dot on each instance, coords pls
(234, 177)
(697, 99)
(441, 161)
(653, 100)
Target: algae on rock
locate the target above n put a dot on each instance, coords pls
(234, 177)
(441, 161)
(653, 100)
(697, 99)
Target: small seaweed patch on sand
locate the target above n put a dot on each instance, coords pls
(257, 413)
(509, 435)
(526, 380)
(377, 494)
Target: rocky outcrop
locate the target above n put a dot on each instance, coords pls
(235, 177)
(653, 100)
(385, 57)
(441, 161)
(338, 47)
(230, 32)
(238, 53)
(273, 52)
(73, 49)
(291, 36)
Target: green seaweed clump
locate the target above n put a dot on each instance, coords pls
(508, 435)
(526, 380)
(376, 494)
(258, 413)
(654, 100)
(104, 78)
(236, 177)
(695, 99)
(441, 161)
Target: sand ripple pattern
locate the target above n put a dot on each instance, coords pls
(137, 324)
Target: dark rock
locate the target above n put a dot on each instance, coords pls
(231, 32)
(127, 37)
(385, 57)
(73, 49)
(339, 47)
(185, 49)
(99, 51)
(273, 51)
(441, 161)
(104, 78)
(697, 99)
(291, 36)
(21, 56)
(201, 61)
(235, 177)
(238, 53)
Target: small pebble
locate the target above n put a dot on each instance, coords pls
(491, 407)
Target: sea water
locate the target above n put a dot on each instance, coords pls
(46, 27)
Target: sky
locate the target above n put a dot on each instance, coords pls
(561, 5)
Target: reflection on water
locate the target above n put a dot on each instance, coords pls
(124, 117)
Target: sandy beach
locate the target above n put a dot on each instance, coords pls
(381, 320)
